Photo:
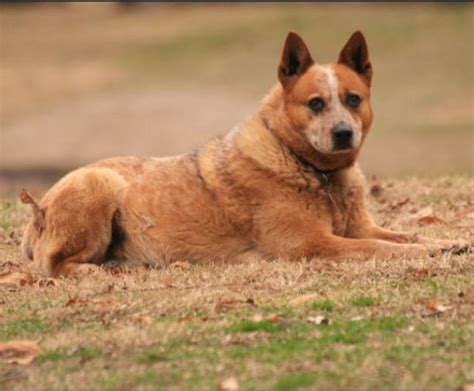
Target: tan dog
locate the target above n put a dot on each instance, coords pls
(284, 184)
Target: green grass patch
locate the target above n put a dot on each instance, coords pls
(248, 326)
(151, 358)
(364, 301)
(6, 215)
(83, 354)
(295, 381)
(323, 305)
(52, 355)
(297, 343)
(23, 328)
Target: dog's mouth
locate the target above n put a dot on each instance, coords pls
(335, 151)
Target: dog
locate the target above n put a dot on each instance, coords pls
(284, 184)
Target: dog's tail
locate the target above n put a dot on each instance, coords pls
(35, 227)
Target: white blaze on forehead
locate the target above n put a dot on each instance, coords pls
(332, 84)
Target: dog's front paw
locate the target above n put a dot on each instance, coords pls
(458, 249)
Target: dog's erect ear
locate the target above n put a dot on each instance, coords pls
(355, 55)
(295, 59)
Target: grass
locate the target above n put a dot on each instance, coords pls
(248, 326)
(23, 328)
(324, 305)
(364, 301)
(295, 381)
(167, 329)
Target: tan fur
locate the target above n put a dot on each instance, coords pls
(260, 188)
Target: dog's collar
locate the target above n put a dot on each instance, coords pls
(322, 175)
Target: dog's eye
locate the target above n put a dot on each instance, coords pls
(353, 100)
(316, 104)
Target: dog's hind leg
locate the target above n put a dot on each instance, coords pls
(74, 228)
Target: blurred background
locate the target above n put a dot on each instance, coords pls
(85, 81)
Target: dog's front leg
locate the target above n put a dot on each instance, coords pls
(361, 226)
(335, 247)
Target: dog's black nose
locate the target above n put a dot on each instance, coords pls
(342, 137)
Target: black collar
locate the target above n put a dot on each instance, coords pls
(322, 175)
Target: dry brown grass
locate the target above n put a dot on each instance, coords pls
(192, 326)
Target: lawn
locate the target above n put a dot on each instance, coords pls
(400, 324)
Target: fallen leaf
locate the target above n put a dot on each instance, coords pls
(430, 219)
(319, 319)
(273, 318)
(304, 298)
(19, 352)
(435, 307)
(229, 384)
(16, 279)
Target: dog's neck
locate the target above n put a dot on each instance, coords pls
(324, 176)
(258, 141)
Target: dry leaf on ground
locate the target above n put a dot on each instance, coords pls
(16, 279)
(229, 384)
(318, 319)
(435, 307)
(430, 219)
(19, 352)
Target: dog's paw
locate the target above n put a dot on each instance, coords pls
(458, 249)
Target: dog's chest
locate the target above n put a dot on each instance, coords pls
(338, 200)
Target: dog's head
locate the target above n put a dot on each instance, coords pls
(326, 107)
